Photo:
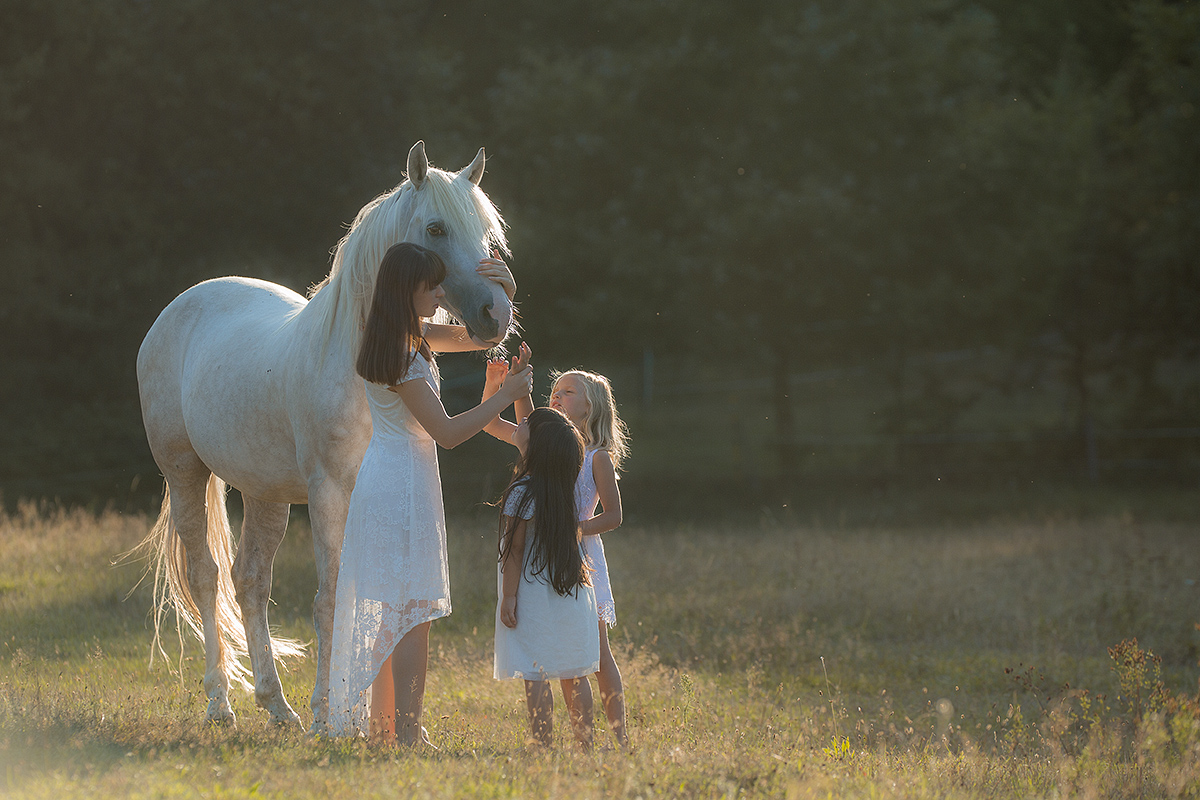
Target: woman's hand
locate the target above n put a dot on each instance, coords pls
(495, 269)
(517, 384)
(508, 611)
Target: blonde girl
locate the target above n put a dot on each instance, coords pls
(586, 399)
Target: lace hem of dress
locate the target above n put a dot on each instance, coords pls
(378, 628)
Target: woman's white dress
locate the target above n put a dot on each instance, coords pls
(556, 636)
(586, 497)
(393, 574)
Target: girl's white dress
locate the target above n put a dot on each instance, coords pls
(393, 574)
(556, 636)
(586, 497)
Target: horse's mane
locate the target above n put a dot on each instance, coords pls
(382, 223)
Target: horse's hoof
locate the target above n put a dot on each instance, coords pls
(318, 730)
(219, 713)
(281, 713)
(290, 719)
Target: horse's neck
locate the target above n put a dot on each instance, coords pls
(336, 313)
(327, 335)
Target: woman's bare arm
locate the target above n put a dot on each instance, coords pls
(449, 431)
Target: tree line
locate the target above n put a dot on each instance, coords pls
(790, 186)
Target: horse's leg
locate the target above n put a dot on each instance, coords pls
(263, 528)
(328, 503)
(188, 482)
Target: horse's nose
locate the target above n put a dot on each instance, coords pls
(488, 324)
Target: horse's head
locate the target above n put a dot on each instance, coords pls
(444, 211)
(450, 215)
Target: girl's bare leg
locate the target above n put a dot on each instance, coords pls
(612, 692)
(410, 660)
(383, 706)
(577, 697)
(540, 701)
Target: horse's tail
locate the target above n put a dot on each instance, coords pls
(168, 561)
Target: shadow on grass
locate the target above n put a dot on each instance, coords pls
(76, 743)
(66, 628)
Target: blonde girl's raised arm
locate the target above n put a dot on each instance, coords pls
(605, 476)
(510, 568)
(523, 407)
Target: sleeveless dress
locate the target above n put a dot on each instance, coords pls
(586, 497)
(556, 636)
(393, 574)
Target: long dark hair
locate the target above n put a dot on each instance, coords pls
(393, 329)
(547, 472)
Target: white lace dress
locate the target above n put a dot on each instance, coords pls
(586, 497)
(556, 636)
(393, 574)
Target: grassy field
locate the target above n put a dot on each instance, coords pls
(760, 659)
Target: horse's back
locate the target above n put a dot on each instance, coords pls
(212, 374)
(222, 307)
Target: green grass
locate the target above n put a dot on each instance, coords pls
(761, 659)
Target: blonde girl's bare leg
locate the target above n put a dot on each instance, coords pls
(540, 701)
(410, 660)
(577, 697)
(383, 706)
(612, 691)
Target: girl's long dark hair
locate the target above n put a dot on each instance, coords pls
(393, 329)
(547, 471)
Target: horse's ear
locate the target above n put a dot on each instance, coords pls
(418, 165)
(474, 171)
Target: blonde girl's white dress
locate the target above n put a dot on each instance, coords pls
(393, 574)
(556, 636)
(586, 498)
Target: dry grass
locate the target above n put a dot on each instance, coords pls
(725, 639)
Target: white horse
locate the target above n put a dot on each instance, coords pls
(246, 383)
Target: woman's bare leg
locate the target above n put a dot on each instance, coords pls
(612, 692)
(410, 660)
(540, 701)
(383, 706)
(577, 697)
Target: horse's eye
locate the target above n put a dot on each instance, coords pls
(435, 229)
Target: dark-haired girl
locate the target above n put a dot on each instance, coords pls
(546, 614)
(393, 579)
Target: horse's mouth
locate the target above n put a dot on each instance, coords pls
(481, 326)
(494, 339)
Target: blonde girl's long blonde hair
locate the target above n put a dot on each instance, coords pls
(603, 429)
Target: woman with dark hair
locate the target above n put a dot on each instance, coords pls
(393, 579)
(546, 613)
